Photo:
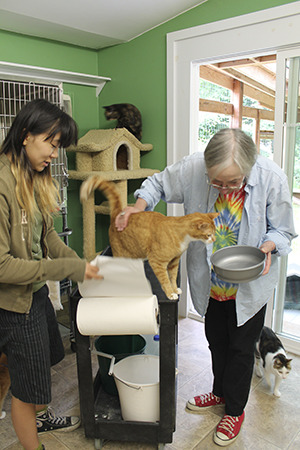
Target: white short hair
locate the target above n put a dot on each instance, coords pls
(231, 146)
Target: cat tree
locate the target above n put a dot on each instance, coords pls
(113, 154)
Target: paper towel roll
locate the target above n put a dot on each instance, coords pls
(117, 315)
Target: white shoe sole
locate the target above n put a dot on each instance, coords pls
(224, 442)
(61, 430)
(199, 409)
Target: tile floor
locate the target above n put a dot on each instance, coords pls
(271, 423)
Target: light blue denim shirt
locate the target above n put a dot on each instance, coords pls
(267, 215)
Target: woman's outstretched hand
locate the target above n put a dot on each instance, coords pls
(92, 272)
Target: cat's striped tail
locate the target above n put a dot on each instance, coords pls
(107, 188)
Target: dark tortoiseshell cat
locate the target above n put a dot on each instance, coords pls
(153, 236)
(271, 359)
(127, 116)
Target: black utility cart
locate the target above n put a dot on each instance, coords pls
(100, 412)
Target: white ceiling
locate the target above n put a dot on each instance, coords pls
(89, 23)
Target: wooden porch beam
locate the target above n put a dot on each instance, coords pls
(246, 61)
(257, 132)
(224, 79)
(213, 106)
(237, 101)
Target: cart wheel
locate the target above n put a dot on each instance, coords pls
(99, 443)
(161, 446)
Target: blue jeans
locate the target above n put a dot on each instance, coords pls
(232, 352)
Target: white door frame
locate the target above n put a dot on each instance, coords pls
(262, 32)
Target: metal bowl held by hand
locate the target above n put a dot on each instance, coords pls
(238, 264)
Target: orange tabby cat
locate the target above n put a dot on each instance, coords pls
(4, 382)
(153, 236)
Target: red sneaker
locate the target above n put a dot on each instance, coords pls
(204, 401)
(228, 429)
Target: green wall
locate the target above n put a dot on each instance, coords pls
(138, 73)
(17, 48)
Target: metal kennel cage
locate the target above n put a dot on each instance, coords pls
(13, 96)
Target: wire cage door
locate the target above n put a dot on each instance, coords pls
(13, 96)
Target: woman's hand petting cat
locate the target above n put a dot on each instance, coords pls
(267, 247)
(92, 272)
(121, 221)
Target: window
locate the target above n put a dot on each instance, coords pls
(238, 93)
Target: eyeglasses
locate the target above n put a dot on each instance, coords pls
(234, 186)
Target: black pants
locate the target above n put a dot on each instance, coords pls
(232, 352)
(32, 344)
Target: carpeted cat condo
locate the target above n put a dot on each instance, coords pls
(115, 155)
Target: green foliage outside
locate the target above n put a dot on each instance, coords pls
(210, 123)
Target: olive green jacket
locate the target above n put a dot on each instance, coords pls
(17, 268)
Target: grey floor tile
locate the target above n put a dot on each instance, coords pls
(260, 430)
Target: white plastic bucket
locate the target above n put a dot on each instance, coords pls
(137, 381)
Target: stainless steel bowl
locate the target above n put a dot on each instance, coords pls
(238, 264)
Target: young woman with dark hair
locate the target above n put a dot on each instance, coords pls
(31, 253)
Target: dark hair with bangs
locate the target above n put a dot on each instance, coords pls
(37, 117)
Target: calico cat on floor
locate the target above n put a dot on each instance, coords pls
(127, 116)
(153, 236)
(4, 382)
(271, 359)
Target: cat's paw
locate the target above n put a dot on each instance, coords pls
(178, 291)
(277, 393)
(3, 415)
(173, 296)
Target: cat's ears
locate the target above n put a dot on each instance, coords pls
(213, 215)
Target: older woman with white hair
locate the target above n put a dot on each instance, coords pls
(252, 197)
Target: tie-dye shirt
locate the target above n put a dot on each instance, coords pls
(230, 206)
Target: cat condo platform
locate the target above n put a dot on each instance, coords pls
(113, 154)
(101, 412)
